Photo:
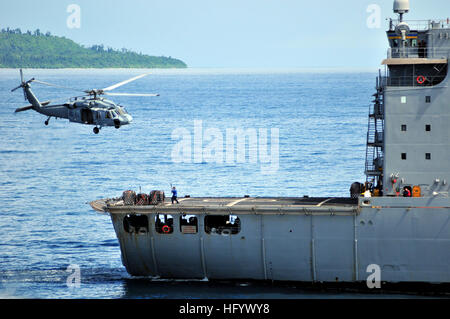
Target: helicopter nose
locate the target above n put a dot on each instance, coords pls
(125, 119)
(128, 118)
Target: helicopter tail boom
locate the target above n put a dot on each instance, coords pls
(36, 105)
(30, 107)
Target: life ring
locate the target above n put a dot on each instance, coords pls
(226, 232)
(166, 229)
(421, 79)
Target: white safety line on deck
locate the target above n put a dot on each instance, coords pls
(180, 200)
(320, 204)
(236, 201)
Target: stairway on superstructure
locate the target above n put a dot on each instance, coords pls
(375, 134)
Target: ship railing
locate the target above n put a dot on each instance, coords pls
(374, 165)
(422, 25)
(418, 52)
(414, 81)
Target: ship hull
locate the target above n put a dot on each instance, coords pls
(408, 239)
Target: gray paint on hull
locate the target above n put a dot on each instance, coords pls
(410, 244)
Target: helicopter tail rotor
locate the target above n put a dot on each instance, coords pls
(23, 84)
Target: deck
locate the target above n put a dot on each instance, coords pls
(242, 205)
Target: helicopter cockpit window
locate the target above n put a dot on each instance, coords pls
(120, 110)
(108, 115)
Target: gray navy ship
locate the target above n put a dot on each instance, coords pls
(397, 220)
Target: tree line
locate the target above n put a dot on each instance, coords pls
(34, 49)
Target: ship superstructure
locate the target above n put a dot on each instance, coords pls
(401, 225)
(408, 141)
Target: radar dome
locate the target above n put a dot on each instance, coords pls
(401, 6)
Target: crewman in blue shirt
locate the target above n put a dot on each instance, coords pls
(174, 195)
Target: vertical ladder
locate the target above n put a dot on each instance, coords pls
(375, 135)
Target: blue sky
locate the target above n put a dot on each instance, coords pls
(227, 33)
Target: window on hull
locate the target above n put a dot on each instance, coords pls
(164, 224)
(222, 224)
(135, 224)
(417, 75)
(188, 224)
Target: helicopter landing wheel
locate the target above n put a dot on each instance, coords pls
(96, 130)
(46, 122)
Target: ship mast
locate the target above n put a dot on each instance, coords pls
(375, 131)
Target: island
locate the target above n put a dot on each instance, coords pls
(46, 51)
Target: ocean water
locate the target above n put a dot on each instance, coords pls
(48, 174)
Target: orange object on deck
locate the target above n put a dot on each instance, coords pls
(416, 191)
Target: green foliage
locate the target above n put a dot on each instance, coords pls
(45, 51)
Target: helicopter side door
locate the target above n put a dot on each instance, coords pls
(75, 115)
(87, 115)
(76, 112)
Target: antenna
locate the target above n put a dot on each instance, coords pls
(401, 7)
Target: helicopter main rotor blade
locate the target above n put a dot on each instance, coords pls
(112, 87)
(58, 86)
(131, 94)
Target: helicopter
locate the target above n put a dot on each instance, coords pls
(90, 109)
